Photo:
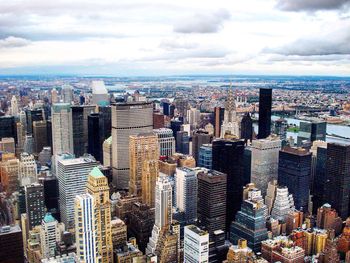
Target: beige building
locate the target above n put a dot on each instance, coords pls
(150, 171)
(107, 152)
(9, 173)
(119, 233)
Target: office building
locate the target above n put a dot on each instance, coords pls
(28, 146)
(86, 229)
(338, 178)
(39, 136)
(33, 115)
(199, 137)
(212, 200)
(97, 187)
(72, 175)
(166, 109)
(265, 107)
(27, 169)
(280, 129)
(9, 174)
(283, 204)
(150, 171)
(166, 141)
(51, 195)
(231, 123)
(294, 171)
(264, 161)
(247, 128)
(119, 233)
(181, 106)
(54, 96)
(193, 117)
(67, 94)
(50, 234)
(142, 148)
(205, 156)
(14, 106)
(7, 145)
(182, 142)
(228, 158)
(62, 129)
(196, 245)
(328, 218)
(107, 152)
(312, 131)
(175, 126)
(219, 113)
(8, 127)
(158, 120)
(344, 239)
(100, 94)
(127, 119)
(11, 243)
(35, 204)
(186, 189)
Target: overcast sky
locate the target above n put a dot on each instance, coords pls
(160, 37)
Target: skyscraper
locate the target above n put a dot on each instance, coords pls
(186, 189)
(127, 119)
(8, 127)
(86, 229)
(97, 187)
(39, 135)
(72, 176)
(50, 234)
(205, 156)
(265, 107)
(196, 245)
(264, 162)
(312, 131)
(231, 123)
(218, 119)
(150, 171)
(212, 200)
(142, 148)
(11, 243)
(100, 94)
(14, 106)
(182, 142)
(35, 204)
(338, 178)
(27, 169)
(166, 141)
(247, 128)
(228, 158)
(62, 130)
(67, 94)
(199, 137)
(282, 204)
(32, 116)
(294, 171)
(54, 96)
(281, 126)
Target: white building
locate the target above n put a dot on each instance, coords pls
(62, 128)
(50, 234)
(186, 189)
(284, 203)
(196, 245)
(264, 163)
(231, 123)
(193, 117)
(67, 94)
(54, 96)
(27, 169)
(99, 93)
(86, 228)
(166, 141)
(72, 175)
(14, 106)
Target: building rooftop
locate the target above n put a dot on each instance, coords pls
(79, 160)
(49, 218)
(197, 230)
(296, 150)
(9, 229)
(96, 173)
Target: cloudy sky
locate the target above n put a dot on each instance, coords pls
(160, 37)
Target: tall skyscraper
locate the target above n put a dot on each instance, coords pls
(281, 126)
(212, 200)
(283, 203)
(196, 245)
(193, 117)
(62, 129)
(54, 96)
(247, 128)
(265, 107)
(312, 131)
(199, 137)
(67, 94)
(14, 106)
(35, 204)
(166, 141)
(80, 128)
(231, 123)
(150, 171)
(182, 142)
(142, 148)
(127, 119)
(100, 94)
(27, 169)
(11, 243)
(264, 162)
(338, 178)
(9, 174)
(72, 176)
(39, 136)
(86, 229)
(205, 156)
(50, 234)
(218, 119)
(8, 127)
(32, 116)
(294, 171)
(228, 158)
(186, 189)
(97, 187)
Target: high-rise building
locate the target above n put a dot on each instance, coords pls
(9, 174)
(107, 152)
(62, 129)
(54, 96)
(182, 142)
(50, 234)
(80, 128)
(212, 200)
(265, 107)
(28, 146)
(280, 129)
(86, 229)
(150, 171)
(166, 141)
(264, 162)
(186, 189)
(14, 106)
(72, 175)
(231, 123)
(247, 128)
(282, 204)
(205, 156)
(199, 137)
(312, 131)
(33, 115)
(196, 245)
(51, 195)
(8, 127)
(11, 243)
(35, 204)
(327, 218)
(142, 148)
(158, 120)
(338, 178)
(100, 94)
(39, 136)
(181, 105)
(166, 108)
(27, 169)
(175, 126)
(97, 187)
(7, 145)
(119, 233)
(193, 117)
(228, 158)
(67, 94)
(127, 119)
(218, 120)
(294, 171)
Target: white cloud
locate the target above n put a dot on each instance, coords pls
(12, 42)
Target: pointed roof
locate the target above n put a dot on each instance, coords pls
(96, 172)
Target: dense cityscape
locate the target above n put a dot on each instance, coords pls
(174, 169)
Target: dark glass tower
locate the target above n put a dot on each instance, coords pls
(199, 138)
(265, 106)
(51, 195)
(294, 171)
(312, 131)
(175, 126)
(182, 142)
(219, 114)
(33, 115)
(166, 108)
(338, 178)
(8, 127)
(320, 180)
(247, 128)
(228, 158)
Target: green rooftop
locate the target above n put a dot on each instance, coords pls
(109, 140)
(49, 218)
(96, 172)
